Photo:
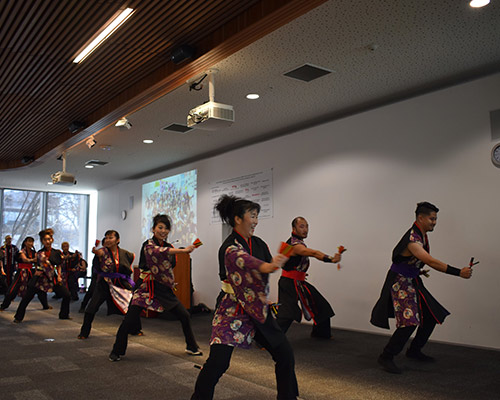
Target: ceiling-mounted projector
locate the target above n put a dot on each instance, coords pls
(63, 178)
(211, 116)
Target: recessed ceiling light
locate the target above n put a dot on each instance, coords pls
(479, 3)
(50, 183)
(147, 141)
(89, 166)
(252, 96)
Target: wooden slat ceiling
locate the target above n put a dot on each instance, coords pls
(42, 92)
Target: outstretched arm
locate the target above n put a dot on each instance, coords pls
(277, 262)
(188, 249)
(301, 250)
(98, 252)
(418, 251)
(25, 259)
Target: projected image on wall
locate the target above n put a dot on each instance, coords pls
(176, 197)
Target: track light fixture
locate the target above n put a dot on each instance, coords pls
(123, 122)
(90, 142)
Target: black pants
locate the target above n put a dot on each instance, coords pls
(73, 285)
(132, 319)
(399, 338)
(220, 357)
(90, 292)
(14, 289)
(322, 329)
(32, 290)
(100, 295)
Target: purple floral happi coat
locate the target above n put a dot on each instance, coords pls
(404, 294)
(233, 320)
(25, 274)
(160, 270)
(45, 281)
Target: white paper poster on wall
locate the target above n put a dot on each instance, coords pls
(257, 187)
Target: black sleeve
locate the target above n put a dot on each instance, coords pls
(96, 264)
(55, 257)
(269, 256)
(142, 257)
(222, 265)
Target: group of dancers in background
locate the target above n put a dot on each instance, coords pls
(243, 313)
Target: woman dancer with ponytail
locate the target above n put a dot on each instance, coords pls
(155, 290)
(243, 312)
(19, 285)
(45, 279)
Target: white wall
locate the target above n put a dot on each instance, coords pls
(357, 181)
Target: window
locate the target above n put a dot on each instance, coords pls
(67, 215)
(21, 214)
(25, 213)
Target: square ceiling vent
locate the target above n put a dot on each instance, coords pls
(308, 72)
(96, 162)
(177, 128)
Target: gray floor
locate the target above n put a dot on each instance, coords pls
(42, 359)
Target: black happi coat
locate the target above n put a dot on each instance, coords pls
(126, 258)
(384, 308)
(287, 295)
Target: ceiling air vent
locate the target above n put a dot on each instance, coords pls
(96, 162)
(177, 128)
(308, 72)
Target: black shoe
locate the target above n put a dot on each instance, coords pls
(319, 336)
(47, 308)
(17, 321)
(418, 355)
(114, 357)
(65, 317)
(388, 365)
(194, 352)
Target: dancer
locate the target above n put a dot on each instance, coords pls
(19, 286)
(45, 278)
(155, 291)
(114, 285)
(9, 258)
(72, 264)
(243, 311)
(293, 286)
(404, 296)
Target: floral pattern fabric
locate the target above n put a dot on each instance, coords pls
(25, 273)
(405, 302)
(160, 271)
(233, 324)
(46, 281)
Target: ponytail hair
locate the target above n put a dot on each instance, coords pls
(230, 207)
(25, 240)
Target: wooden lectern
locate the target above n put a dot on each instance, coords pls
(182, 273)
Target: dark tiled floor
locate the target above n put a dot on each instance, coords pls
(42, 359)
